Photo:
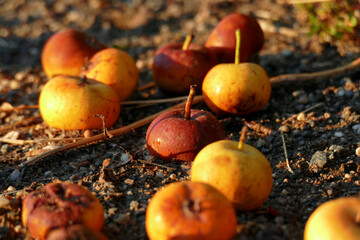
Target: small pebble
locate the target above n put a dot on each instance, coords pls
(338, 134)
(303, 100)
(301, 117)
(48, 173)
(129, 181)
(4, 148)
(129, 193)
(318, 159)
(88, 133)
(173, 176)
(74, 177)
(336, 148)
(160, 175)
(14, 176)
(284, 128)
(134, 205)
(10, 189)
(356, 128)
(348, 176)
(124, 157)
(284, 192)
(330, 192)
(279, 220)
(17, 228)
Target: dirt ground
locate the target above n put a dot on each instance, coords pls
(319, 118)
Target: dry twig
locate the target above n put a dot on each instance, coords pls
(286, 155)
(99, 137)
(305, 111)
(258, 127)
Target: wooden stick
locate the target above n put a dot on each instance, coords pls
(99, 137)
(154, 101)
(146, 86)
(353, 66)
(30, 141)
(286, 155)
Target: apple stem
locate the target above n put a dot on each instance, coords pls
(189, 102)
(187, 42)
(237, 49)
(242, 137)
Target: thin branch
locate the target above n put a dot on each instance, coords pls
(30, 141)
(286, 155)
(353, 66)
(146, 86)
(99, 137)
(305, 111)
(154, 101)
(24, 121)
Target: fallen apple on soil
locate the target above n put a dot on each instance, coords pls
(177, 66)
(75, 232)
(116, 68)
(61, 204)
(222, 41)
(180, 134)
(67, 51)
(236, 88)
(241, 172)
(337, 219)
(190, 210)
(68, 102)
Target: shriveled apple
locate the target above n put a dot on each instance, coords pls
(116, 68)
(190, 210)
(75, 232)
(67, 51)
(241, 172)
(61, 204)
(222, 43)
(68, 102)
(337, 219)
(236, 88)
(177, 66)
(180, 134)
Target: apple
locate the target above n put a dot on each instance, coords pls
(61, 204)
(241, 172)
(177, 66)
(66, 52)
(116, 68)
(236, 88)
(222, 42)
(190, 210)
(181, 133)
(337, 219)
(69, 102)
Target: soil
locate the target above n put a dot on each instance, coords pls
(319, 118)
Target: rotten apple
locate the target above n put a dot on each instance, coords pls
(189, 211)
(180, 134)
(177, 66)
(67, 51)
(61, 204)
(222, 42)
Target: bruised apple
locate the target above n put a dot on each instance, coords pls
(236, 88)
(222, 42)
(177, 66)
(67, 51)
(68, 102)
(61, 204)
(190, 210)
(116, 68)
(337, 219)
(241, 172)
(180, 134)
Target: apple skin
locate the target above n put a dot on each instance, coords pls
(75, 232)
(66, 102)
(244, 177)
(172, 213)
(171, 136)
(222, 41)
(174, 69)
(337, 219)
(117, 69)
(236, 89)
(66, 52)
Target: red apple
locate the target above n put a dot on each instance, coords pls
(66, 52)
(181, 134)
(222, 38)
(177, 66)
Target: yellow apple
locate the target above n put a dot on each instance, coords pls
(236, 88)
(241, 172)
(116, 68)
(337, 219)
